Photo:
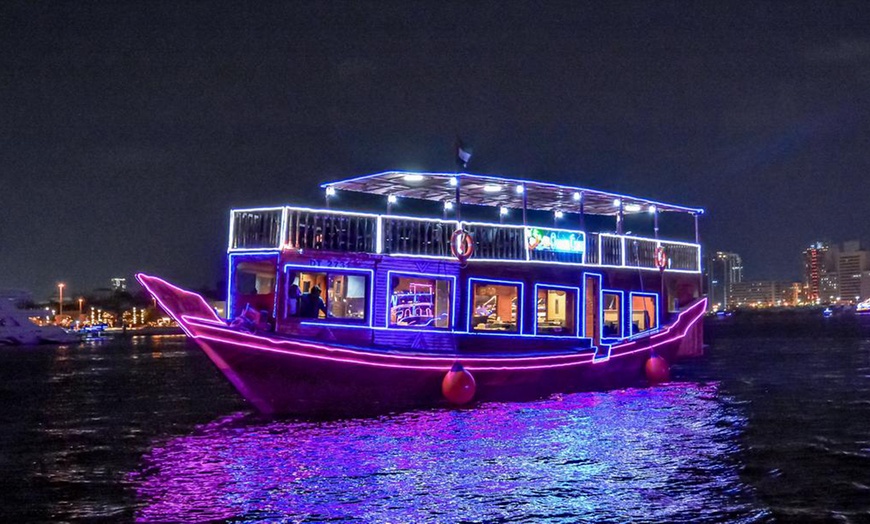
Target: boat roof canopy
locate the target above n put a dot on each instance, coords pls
(494, 191)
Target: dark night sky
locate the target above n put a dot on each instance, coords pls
(128, 130)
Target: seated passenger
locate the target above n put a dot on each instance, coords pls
(312, 304)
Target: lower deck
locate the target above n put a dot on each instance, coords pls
(413, 304)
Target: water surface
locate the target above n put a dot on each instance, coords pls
(760, 430)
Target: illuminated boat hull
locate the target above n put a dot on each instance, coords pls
(284, 375)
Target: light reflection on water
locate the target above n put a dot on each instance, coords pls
(664, 454)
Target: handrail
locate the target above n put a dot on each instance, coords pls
(342, 231)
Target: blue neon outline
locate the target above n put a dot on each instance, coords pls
(576, 309)
(621, 313)
(631, 295)
(368, 322)
(231, 273)
(521, 310)
(600, 277)
(454, 299)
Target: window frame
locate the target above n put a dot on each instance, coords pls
(368, 274)
(547, 286)
(621, 313)
(655, 320)
(521, 310)
(454, 292)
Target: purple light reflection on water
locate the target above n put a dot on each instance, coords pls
(659, 454)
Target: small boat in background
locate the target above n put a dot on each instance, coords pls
(18, 329)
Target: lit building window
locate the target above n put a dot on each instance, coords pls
(644, 314)
(612, 322)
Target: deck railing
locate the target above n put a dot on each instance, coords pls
(337, 231)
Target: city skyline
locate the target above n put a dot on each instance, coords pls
(129, 133)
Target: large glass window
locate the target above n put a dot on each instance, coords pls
(495, 307)
(556, 314)
(643, 313)
(420, 302)
(321, 294)
(612, 325)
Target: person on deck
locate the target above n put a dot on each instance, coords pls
(312, 304)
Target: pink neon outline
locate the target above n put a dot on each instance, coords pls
(621, 349)
(364, 358)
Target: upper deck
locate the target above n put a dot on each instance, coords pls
(332, 231)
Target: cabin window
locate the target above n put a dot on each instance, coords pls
(420, 302)
(556, 311)
(327, 295)
(612, 325)
(644, 314)
(253, 285)
(495, 306)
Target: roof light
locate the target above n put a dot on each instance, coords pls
(392, 199)
(632, 208)
(652, 209)
(559, 214)
(521, 189)
(576, 196)
(492, 188)
(454, 181)
(503, 211)
(616, 202)
(448, 205)
(330, 191)
(413, 178)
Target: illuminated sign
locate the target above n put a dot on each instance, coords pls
(539, 239)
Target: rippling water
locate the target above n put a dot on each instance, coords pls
(761, 430)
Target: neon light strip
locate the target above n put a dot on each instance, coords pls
(438, 363)
(379, 240)
(631, 296)
(215, 321)
(454, 298)
(370, 287)
(520, 306)
(576, 308)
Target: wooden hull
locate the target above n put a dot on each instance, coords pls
(282, 375)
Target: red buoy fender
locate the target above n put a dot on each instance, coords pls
(458, 385)
(657, 370)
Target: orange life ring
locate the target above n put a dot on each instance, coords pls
(462, 245)
(661, 258)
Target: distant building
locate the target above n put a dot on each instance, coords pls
(820, 273)
(119, 284)
(722, 271)
(765, 293)
(853, 266)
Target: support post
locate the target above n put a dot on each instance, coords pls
(525, 205)
(458, 204)
(619, 218)
(582, 211)
(656, 223)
